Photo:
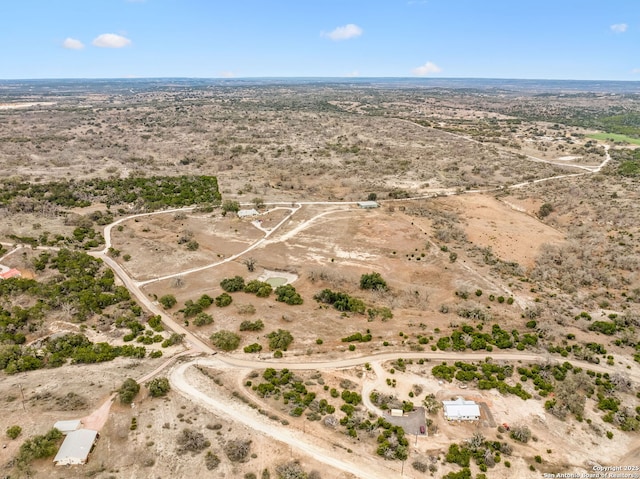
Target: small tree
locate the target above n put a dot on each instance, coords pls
(230, 206)
(202, 319)
(128, 391)
(223, 300)
(168, 301)
(225, 340)
(280, 340)
(288, 294)
(545, 210)
(258, 202)
(158, 387)
(431, 404)
(231, 285)
(373, 281)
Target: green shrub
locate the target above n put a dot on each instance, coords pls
(14, 431)
(231, 285)
(280, 339)
(225, 340)
(202, 319)
(167, 301)
(39, 447)
(252, 325)
(253, 348)
(223, 300)
(373, 281)
(128, 391)
(287, 294)
(158, 387)
(260, 288)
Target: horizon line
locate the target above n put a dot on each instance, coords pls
(356, 78)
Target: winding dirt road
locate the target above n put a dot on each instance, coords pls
(221, 405)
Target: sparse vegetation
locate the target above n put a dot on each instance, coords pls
(192, 441)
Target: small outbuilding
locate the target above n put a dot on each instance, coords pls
(461, 410)
(65, 427)
(367, 205)
(397, 412)
(12, 273)
(76, 447)
(248, 213)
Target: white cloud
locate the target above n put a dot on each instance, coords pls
(227, 74)
(619, 27)
(353, 74)
(343, 33)
(635, 71)
(111, 40)
(72, 44)
(427, 69)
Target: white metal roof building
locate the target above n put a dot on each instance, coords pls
(76, 447)
(368, 204)
(461, 410)
(247, 213)
(65, 427)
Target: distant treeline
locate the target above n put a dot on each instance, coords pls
(148, 193)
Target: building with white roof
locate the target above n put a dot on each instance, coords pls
(248, 213)
(461, 410)
(65, 427)
(76, 447)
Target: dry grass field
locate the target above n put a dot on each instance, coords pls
(466, 239)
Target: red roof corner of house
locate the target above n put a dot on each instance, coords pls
(12, 273)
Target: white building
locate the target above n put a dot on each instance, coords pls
(461, 410)
(76, 447)
(368, 204)
(65, 427)
(247, 213)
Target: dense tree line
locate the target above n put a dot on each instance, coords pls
(56, 352)
(82, 286)
(147, 193)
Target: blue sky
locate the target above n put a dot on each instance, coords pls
(548, 39)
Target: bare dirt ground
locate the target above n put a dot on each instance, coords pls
(512, 236)
(158, 236)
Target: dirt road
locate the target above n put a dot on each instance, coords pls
(221, 405)
(426, 355)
